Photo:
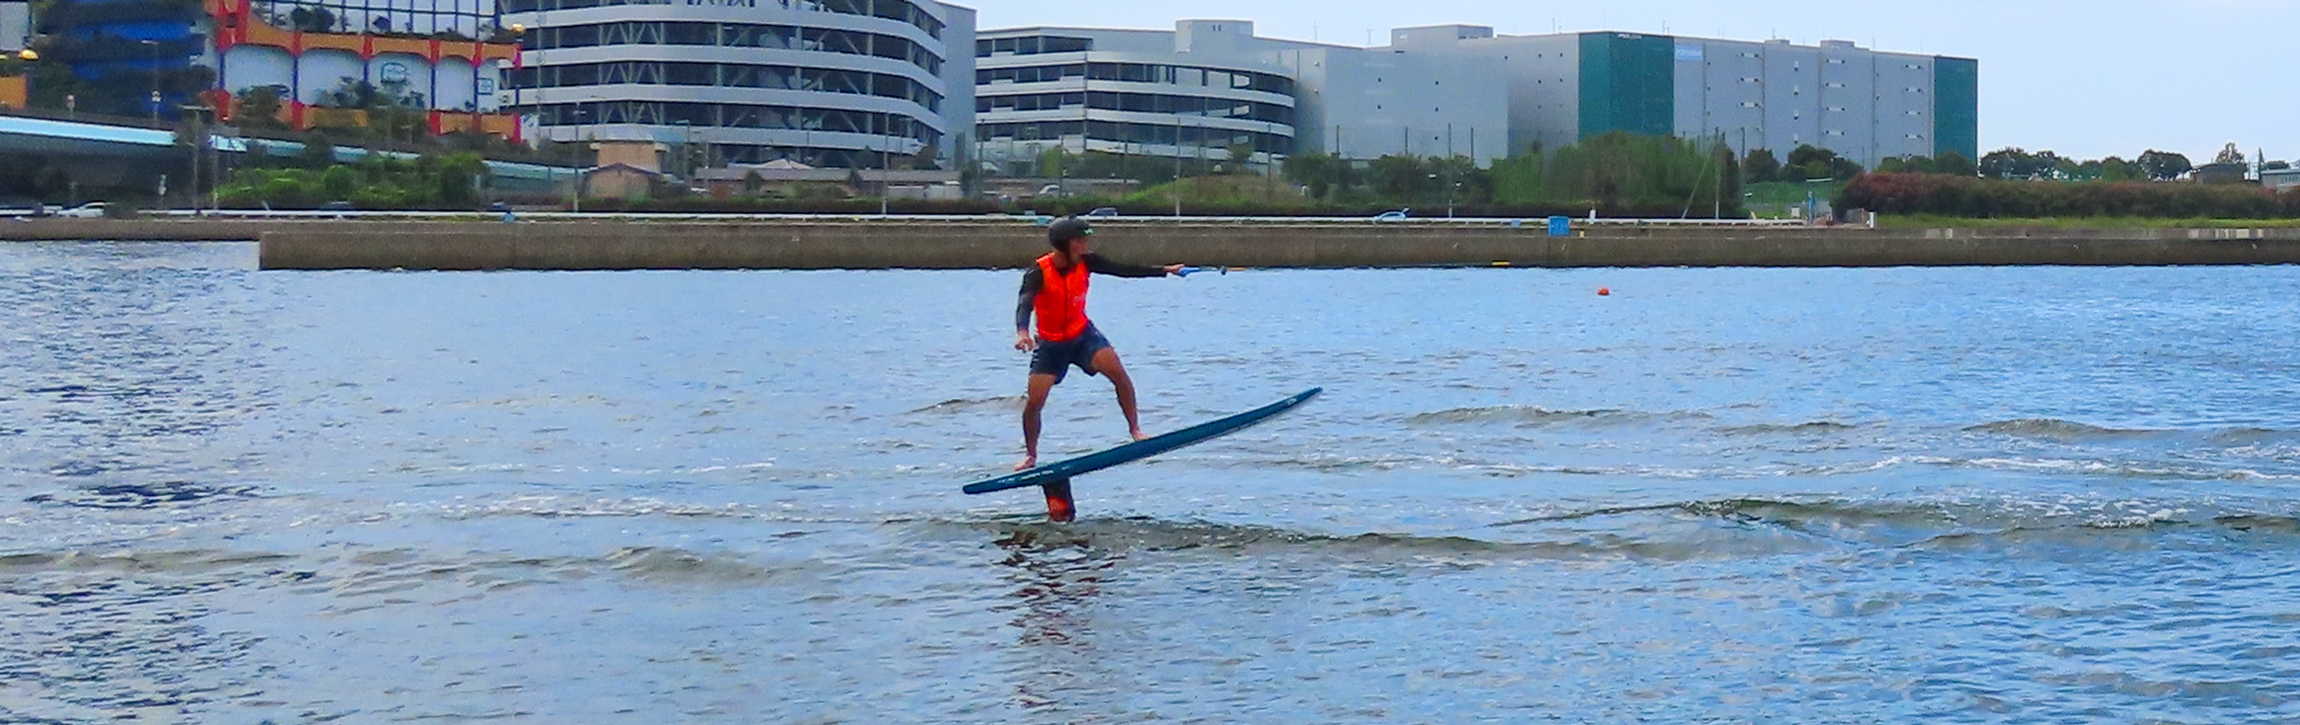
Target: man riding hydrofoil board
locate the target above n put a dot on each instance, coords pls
(1054, 290)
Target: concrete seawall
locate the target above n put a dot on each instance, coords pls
(998, 243)
(955, 245)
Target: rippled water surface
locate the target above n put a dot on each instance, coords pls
(1913, 495)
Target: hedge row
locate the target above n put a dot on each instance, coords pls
(1964, 196)
(1082, 205)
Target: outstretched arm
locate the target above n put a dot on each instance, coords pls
(1099, 264)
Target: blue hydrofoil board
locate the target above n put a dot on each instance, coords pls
(1060, 472)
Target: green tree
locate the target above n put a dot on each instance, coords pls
(1518, 179)
(338, 182)
(456, 178)
(1908, 165)
(1399, 178)
(29, 176)
(1623, 172)
(1240, 155)
(258, 107)
(312, 19)
(318, 151)
(2229, 155)
(1761, 166)
(1320, 173)
(1053, 162)
(1813, 162)
(1955, 164)
(2008, 163)
(1459, 180)
(2163, 165)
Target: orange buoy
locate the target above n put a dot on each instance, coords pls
(1604, 292)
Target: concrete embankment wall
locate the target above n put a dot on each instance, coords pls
(57, 229)
(877, 245)
(949, 244)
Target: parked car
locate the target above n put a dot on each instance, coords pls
(1104, 211)
(90, 210)
(23, 208)
(1395, 215)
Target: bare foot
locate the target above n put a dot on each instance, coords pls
(1139, 435)
(1028, 462)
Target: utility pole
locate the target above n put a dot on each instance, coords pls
(154, 45)
(194, 132)
(885, 163)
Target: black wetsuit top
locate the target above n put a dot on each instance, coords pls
(1095, 263)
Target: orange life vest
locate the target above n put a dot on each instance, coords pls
(1061, 301)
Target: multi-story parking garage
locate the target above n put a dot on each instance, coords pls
(846, 83)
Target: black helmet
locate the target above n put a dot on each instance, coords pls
(1065, 229)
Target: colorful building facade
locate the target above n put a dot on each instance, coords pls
(323, 64)
(454, 76)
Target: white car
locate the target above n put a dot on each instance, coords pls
(90, 210)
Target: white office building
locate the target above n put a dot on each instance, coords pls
(1456, 90)
(15, 25)
(838, 83)
(1210, 85)
(1864, 104)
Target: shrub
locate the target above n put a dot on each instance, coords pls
(1964, 196)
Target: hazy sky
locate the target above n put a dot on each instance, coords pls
(2084, 79)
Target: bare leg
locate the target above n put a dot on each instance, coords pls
(1106, 363)
(1032, 403)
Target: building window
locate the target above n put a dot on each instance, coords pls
(744, 35)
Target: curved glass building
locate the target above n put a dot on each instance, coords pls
(1194, 93)
(839, 83)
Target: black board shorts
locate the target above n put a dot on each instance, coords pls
(1055, 358)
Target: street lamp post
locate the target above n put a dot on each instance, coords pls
(1178, 166)
(575, 191)
(686, 150)
(885, 161)
(154, 45)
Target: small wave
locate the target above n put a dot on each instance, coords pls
(1893, 524)
(1809, 428)
(679, 566)
(558, 507)
(2121, 469)
(142, 496)
(965, 405)
(2053, 428)
(1118, 537)
(1527, 415)
(180, 561)
(552, 507)
(2259, 523)
(1751, 509)
(2252, 436)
